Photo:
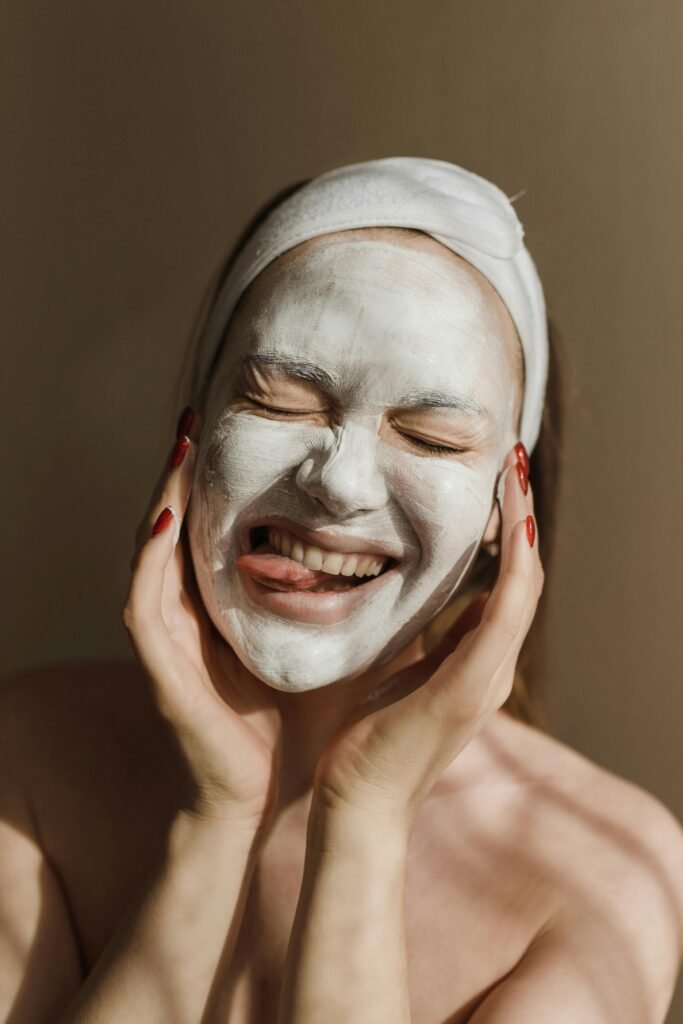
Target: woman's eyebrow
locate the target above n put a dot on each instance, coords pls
(314, 374)
(301, 369)
(443, 400)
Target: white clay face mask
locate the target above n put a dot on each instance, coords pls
(339, 500)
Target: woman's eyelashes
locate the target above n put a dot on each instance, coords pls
(281, 412)
(278, 412)
(439, 449)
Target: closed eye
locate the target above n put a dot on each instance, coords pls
(439, 449)
(281, 412)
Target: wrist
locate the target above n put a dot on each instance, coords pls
(355, 827)
(191, 828)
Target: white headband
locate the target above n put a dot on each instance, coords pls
(464, 212)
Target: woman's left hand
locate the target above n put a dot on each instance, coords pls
(391, 751)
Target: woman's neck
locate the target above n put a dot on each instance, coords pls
(310, 720)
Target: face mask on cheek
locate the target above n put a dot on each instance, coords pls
(432, 513)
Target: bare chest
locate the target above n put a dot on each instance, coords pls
(465, 928)
(471, 906)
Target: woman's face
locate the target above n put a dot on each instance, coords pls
(365, 399)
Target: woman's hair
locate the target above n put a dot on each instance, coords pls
(545, 475)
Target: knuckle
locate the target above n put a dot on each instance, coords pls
(503, 693)
(128, 615)
(134, 618)
(540, 582)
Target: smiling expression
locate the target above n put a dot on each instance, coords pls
(363, 404)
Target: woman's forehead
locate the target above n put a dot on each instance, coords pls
(373, 258)
(445, 265)
(411, 306)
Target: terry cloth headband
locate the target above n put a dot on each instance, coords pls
(463, 211)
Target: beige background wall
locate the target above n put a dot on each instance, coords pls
(140, 136)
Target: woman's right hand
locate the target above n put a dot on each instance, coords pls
(223, 717)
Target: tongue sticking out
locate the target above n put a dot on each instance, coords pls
(283, 573)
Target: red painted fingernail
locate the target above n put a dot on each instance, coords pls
(522, 456)
(522, 477)
(530, 530)
(163, 519)
(180, 451)
(186, 421)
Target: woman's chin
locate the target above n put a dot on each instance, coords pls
(305, 666)
(297, 677)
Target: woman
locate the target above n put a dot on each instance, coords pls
(299, 806)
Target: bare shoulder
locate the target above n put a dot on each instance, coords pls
(613, 854)
(609, 827)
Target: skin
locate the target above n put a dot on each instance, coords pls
(537, 886)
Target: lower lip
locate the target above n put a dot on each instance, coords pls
(322, 609)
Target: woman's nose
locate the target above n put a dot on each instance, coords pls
(345, 477)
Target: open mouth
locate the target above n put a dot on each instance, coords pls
(282, 560)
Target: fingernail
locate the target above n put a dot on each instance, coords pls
(162, 521)
(185, 421)
(179, 452)
(522, 477)
(530, 530)
(522, 456)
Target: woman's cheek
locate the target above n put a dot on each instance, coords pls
(447, 503)
(247, 455)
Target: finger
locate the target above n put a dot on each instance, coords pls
(507, 612)
(189, 423)
(176, 457)
(512, 499)
(145, 624)
(527, 490)
(460, 687)
(147, 600)
(161, 496)
(142, 610)
(519, 503)
(538, 572)
(155, 593)
(510, 619)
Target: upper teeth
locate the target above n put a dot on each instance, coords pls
(329, 561)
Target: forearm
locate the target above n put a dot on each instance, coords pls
(347, 956)
(161, 961)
